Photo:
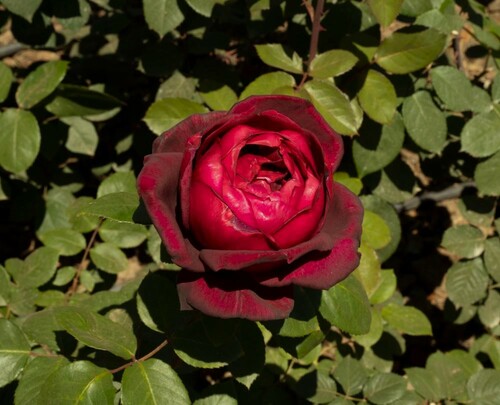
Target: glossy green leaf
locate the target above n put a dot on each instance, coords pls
(346, 306)
(467, 282)
(22, 8)
(57, 201)
(404, 53)
(486, 176)
(6, 78)
(425, 122)
(408, 320)
(385, 11)
(65, 241)
(40, 83)
(268, 83)
(333, 105)
(378, 97)
(109, 258)
(492, 257)
(483, 387)
(153, 382)
(444, 23)
(464, 241)
(204, 7)
(378, 146)
(332, 63)
(376, 329)
(162, 16)
(386, 288)
(82, 136)
(218, 96)
(426, 383)
(479, 136)
(177, 86)
(20, 137)
(97, 331)
(452, 87)
(37, 269)
(35, 377)
(384, 388)
(369, 270)
(351, 375)
(79, 383)
(165, 113)
(488, 312)
(64, 275)
(376, 233)
(277, 56)
(14, 351)
(316, 387)
(413, 8)
(78, 101)
(81, 223)
(119, 207)
(450, 372)
(118, 182)
(352, 183)
(123, 235)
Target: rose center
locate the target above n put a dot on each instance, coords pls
(259, 163)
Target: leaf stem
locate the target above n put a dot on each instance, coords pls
(143, 358)
(83, 265)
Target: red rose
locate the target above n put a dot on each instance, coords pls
(245, 203)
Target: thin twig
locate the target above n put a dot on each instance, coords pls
(83, 265)
(11, 49)
(144, 358)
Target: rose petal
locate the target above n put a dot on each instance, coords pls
(231, 295)
(304, 114)
(157, 183)
(174, 140)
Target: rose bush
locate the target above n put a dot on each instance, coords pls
(245, 203)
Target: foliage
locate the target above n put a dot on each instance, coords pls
(88, 306)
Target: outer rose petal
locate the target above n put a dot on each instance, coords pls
(304, 114)
(232, 296)
(157, 185)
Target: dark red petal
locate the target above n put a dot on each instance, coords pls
(157, 183)
(304, 114)
(231, 295)
(322, 270)
(174, 140)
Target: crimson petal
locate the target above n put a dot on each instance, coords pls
(232, 295)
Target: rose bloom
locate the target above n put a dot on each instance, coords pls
(245, 203)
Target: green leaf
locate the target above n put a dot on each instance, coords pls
(478, 211)
(122, 234)
(385, 11)
(277, 56)
(65, 241)
(426, 383)
(223, 393)
(488, 312)
(119, 207)
(425, 122)
(464, 241)
(467, 282)
(413, 8)
(204, 7)
(35, 377)
(165, 113)
(22, 8)
(20, 137)
(82, 136)
(492, 257)
(386, 288)
(40, 83)
(56, 210)
(218, 96)
(153, 382)
(453, 88)
(378, 97)
(486, 176)
(118, 182)
(97, 331)
(73, 14)
(376, 233)
(346, 306)
(6, 78)
(368, 271)
(404, 53)
(374, 334)
(109, 258)
(332, 63)
(268, 83)
(450, 373)
(479, 136)
(162, 16)
(333, 105)
(5, 286)
(177, 86)
(14, 351)
(495, 90)
(444, 23)
(351, 375)
(37, 269)
(408, 320)
(384, 388)
(316, 387)
(378, 146)
(78, 101)
(483, 387)
(80, 382)
(352, 183)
